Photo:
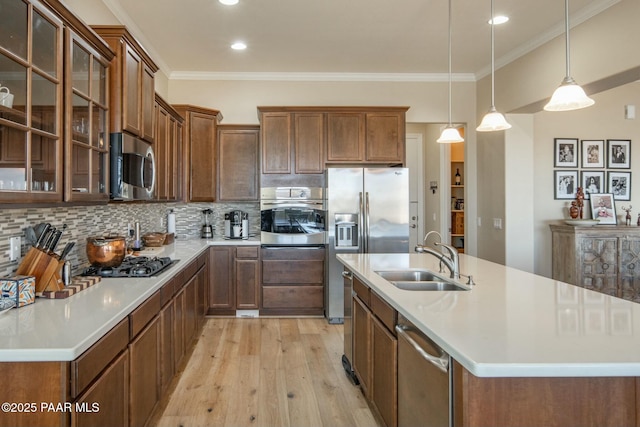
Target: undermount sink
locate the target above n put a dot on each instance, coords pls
(419, 280)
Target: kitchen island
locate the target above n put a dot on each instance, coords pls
(527, 350)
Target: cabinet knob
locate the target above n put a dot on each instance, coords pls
(605, 266)
(631, 266)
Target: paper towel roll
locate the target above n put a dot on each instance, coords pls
(171, 222)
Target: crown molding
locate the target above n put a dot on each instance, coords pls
(323, 77)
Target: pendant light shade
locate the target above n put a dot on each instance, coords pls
(450, 134)
(493, 120)
(569, 95)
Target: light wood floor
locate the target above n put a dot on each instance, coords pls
(266, 372)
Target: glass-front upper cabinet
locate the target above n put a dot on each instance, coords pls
(31, 44)
(86, 155)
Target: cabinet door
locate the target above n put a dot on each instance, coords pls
(345, 137)
(221, 282)
(309, 142)
(161, 152)
(629, 269)
(599, 264)
(361, 363)
(276, 143)
(144, 381)
(31, 61)
(385, 137)
(167, 365)
(238, 163)
(190, 311)
(106, 402)
(202, 157)
(384, 372)
(203, 295)
(178, 328)
(131, 89)
(247, 283)
(147, 101)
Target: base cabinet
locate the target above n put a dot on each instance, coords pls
(106, 402)
(234, 277)
(121, 378)
(144, 374)
(292, 281)
(375, 352)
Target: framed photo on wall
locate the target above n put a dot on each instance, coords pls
(566, 152)
(593, 182)
(566, 184)
(603, 208)
(620, 185)
(593, 153)
(619, 153)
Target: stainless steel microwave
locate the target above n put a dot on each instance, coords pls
(133, 169)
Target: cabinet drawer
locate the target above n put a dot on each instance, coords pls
(90, 363)
(190, 270)
(362, 291)
(387, 314)
(143, 314)
(251, 253)
(293, 297)
(166, 292)
(292, 272)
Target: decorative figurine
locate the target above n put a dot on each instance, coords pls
(628, 217)
(574, 211)
(580, 201)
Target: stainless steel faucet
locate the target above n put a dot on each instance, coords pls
(452, 261)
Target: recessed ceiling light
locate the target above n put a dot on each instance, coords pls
(238, 46)
(229, 2)
(497, 20)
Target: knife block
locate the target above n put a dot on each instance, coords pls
(45, 268)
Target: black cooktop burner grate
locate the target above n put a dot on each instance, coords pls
(132, 267)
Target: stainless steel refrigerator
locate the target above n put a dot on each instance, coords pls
(367, 212)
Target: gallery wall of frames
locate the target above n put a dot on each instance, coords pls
(597, 165)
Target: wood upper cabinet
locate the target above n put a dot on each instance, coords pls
(385, 137)
(132, 83)
(57, 77)
(276, 139)
(168, 150)
(345, 137)
(238, 155)
(309, 142)
(199, 152)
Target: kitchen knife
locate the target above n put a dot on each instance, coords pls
(47, 245)
(54, 241)
(66, 250)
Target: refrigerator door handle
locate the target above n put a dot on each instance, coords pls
(367, 231)
(361, 219)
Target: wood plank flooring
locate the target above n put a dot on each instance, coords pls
(266, 372)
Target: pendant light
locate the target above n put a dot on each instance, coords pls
(493, 120)
(569, 95)
(450, 134)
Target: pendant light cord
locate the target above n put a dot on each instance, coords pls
(566, 24)
(493, 81)
(450, 125)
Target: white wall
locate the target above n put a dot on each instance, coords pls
(605, 120)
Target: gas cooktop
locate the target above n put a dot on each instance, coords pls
(140, 266)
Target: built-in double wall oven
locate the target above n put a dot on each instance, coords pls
(292, 216)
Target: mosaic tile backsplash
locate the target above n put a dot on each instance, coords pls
(114, 218)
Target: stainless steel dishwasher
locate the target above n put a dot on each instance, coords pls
(424, 379)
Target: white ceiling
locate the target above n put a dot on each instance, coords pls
(399, 38)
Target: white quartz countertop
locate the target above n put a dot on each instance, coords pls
(513, 323)
(62, 329)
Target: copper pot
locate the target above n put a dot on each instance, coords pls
(106, 251)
